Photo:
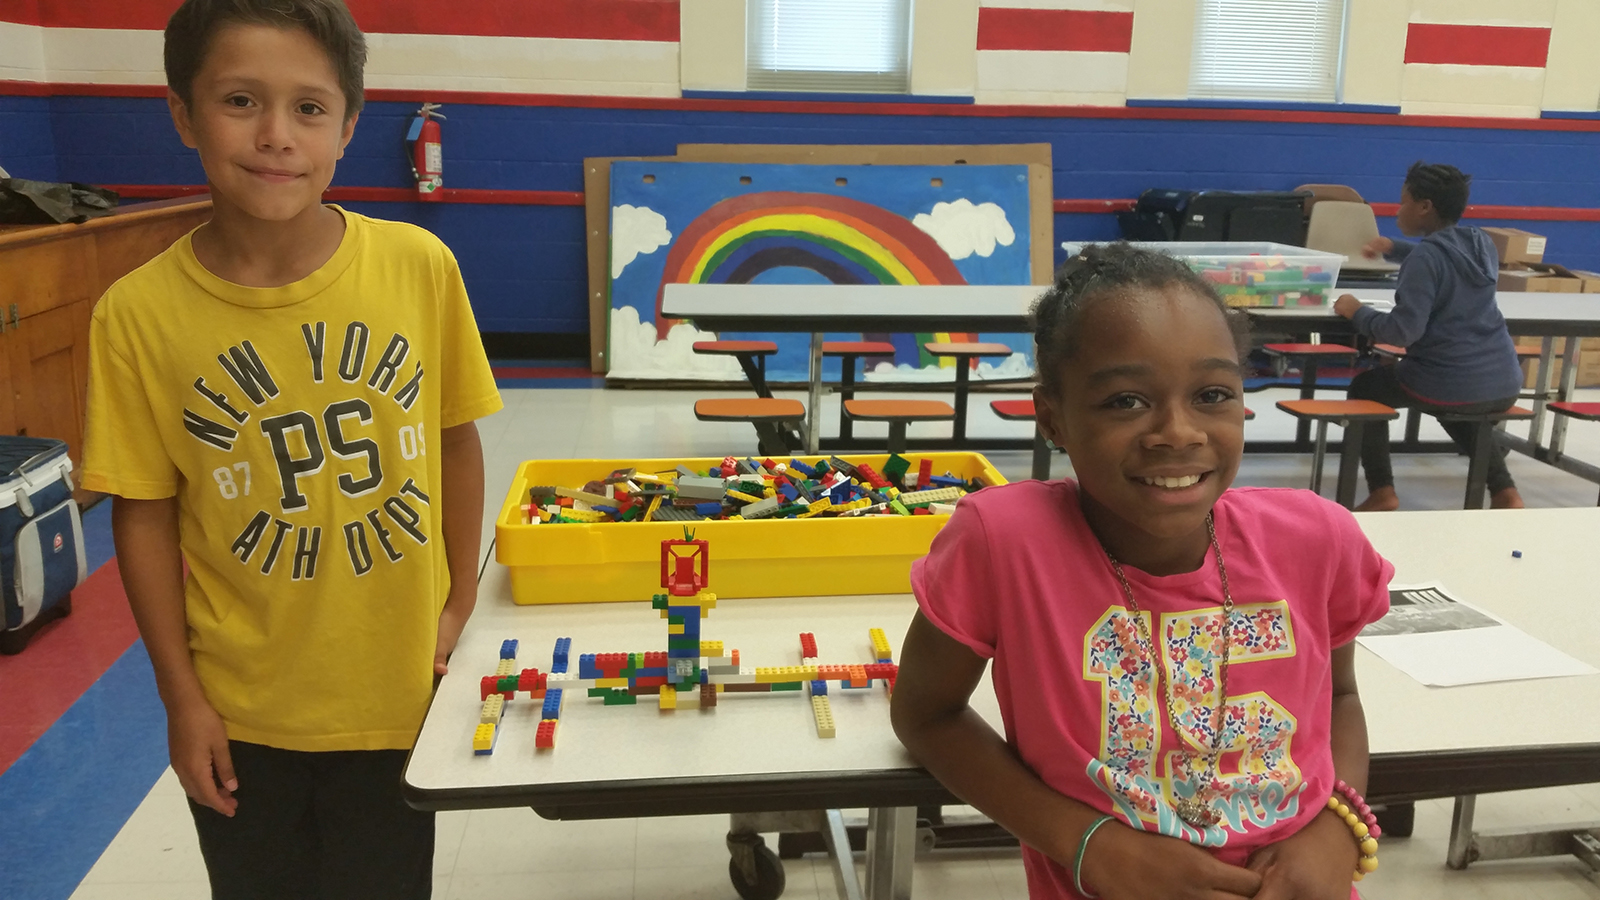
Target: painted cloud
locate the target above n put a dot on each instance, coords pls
(635, 231)
(962, 228)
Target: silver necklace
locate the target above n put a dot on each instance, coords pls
(1195, 810)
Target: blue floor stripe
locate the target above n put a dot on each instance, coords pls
(66, 798)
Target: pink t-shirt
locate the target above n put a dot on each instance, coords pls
(1018, 576)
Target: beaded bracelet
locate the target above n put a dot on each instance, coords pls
(1358, 815)
(1083, 845)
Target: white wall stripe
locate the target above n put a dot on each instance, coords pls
(409, 61)
(1457, 90)
(1052, 77)
(21, 52)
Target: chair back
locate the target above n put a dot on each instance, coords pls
(1321, 192)
(1343, 226)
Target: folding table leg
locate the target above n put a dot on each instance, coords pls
(847, 384)
(813, 430)
(959, 432)
(1308, 391)
(1349, 464)
(1319, 455)
(891, 849)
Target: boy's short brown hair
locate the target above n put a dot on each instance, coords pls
(191, 28)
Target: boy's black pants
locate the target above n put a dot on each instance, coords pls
(1383, 386)
(317, 826)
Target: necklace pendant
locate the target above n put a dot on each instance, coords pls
(1196, 812)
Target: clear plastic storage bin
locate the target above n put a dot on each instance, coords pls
(1255, 274)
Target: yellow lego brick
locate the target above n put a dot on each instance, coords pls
(483, 738)
(880, 644)
(583, 515)
(611, 682)
(821, 505)
(506, 667)
(655, 504)
(668, 697)
(785, 674)
(544, 514)
(769, 491)
(673, 629)
(822, 711)
(493, 708)
(743, 497)
(891, 492)
(710, 648)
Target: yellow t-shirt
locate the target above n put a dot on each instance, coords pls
(298, 427)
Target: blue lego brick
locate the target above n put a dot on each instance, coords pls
(787, 490)
(802, 468)
(552, 704)
(946, 481)
(608, 510)
(708, 509)
(587, 667)
(653, 672)
(819, 689)
(559, 658)
(508, 649)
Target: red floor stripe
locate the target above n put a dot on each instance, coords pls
(536, 372)
(42, 682)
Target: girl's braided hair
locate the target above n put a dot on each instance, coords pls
(1113, 272)
(1447, 186)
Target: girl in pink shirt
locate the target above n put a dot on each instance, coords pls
(1209, 778)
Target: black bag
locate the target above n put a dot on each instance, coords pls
(1157, 215)
(25, 202)
(1277, 216)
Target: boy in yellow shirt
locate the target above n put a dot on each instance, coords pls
(284, 401)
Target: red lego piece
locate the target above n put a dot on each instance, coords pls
(611, 664)
(685, 567)
(730, 467)
(882, 670)
(655, 659)
(922, 511)
(532, 681)
(924, 474)
(646, 681)
(545, 737)
(808, 645)
(489, 685)
(871, 476)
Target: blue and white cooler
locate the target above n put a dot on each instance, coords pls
(41, 538)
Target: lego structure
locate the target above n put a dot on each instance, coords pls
(691, 672)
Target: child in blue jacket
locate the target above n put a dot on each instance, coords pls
(1459, 356)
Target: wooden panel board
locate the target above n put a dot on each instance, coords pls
(597, 241)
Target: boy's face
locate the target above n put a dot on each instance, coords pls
(268, 119)
(1151, 413)
(1414, 216)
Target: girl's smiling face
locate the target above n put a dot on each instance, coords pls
(1150, 410)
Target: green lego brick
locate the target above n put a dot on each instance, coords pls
(896, 467)
(787, 685)
(599, 692)
(659, 601)
(675, 642)
(506, 683)
(619, 697)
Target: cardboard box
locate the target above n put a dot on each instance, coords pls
(1591, 281)
(1541, 279)
(1517, 246)
(1588, 362)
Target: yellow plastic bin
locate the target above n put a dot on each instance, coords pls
(762, 558)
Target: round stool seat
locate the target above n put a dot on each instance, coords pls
(753, 409)
(1309, 349)
(940, 348)
(857, 348)
(899, 410)
(736, 348)
(1586, 411)
(1337, 409)
(1013, 410)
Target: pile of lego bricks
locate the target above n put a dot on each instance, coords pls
(748, 489)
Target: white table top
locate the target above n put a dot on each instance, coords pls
(1548, 593)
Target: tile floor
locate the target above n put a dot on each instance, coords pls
(513, 854)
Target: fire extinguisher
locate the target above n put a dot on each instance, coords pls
(427, 156)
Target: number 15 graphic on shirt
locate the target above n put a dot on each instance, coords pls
(1257, 780)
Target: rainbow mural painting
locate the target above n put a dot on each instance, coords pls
(723, 223)
(845, 241)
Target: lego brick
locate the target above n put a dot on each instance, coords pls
(880, 644)
(701, 488)
(668, 697)
(924, 473)
(585, 496)
(585, 516)
(896, 467)
(938, 495)
(942, 509)
(505, 667)
(708, 696)
(611, 682)
(483, 739)
(822, 713)
(545, 737)
(713, 508)
(761, 509)
(619, 698)
(746, 688)
(559, 658)
(552, 704)
(808, 645)
(508, 649)
(711, 648)
(819, 688)
(493, 709)
(673, 514)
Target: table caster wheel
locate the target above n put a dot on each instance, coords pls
(756, 871)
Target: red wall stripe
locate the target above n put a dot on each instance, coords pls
(1477, 45)
(605, 20)
(1054, 29)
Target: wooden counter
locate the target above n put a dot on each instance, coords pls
(50, 278)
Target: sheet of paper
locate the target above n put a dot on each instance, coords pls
(1442, 641)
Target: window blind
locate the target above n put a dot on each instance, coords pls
(1267, 49)
(828, 45)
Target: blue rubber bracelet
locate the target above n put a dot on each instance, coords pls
(1083, 845)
